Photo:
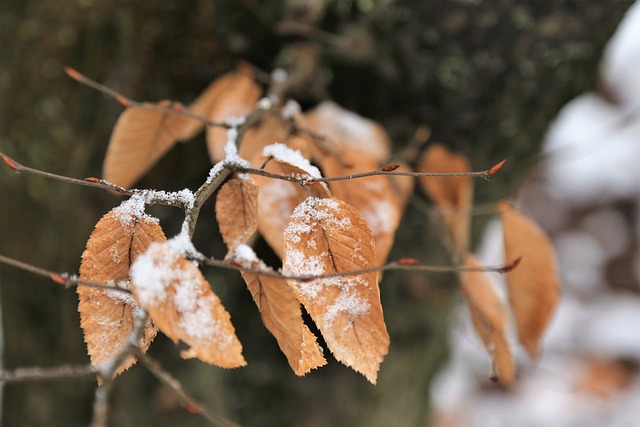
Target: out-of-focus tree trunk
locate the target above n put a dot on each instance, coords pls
(487, 77)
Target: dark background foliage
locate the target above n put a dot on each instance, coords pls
(486, 76)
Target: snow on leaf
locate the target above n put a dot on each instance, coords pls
(374, 197)
(236, 95)
(326, 236)
(278, 199)
(534, 286)
(183, 306)
(281, 314)
(343, 128)
(237, 210)
(489, 317)
(139, 139)
(452, 194)
(107, 317)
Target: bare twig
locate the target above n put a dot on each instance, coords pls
(44, 374)
(176, 108)
(191, 404)
(65, 279)
(89, 182)
(406, 264)
(310, 180)
(101, 405)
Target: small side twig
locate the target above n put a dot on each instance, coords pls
(178, 109)
(191, 404)
(45, 374)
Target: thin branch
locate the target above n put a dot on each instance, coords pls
(384, 171)
(65, 279)
(44, 374)
(89, 182)
(176, 108)
(190, 403)
(405, 264)
(101, 405)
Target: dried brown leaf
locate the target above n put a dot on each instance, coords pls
(326, 236)
(534, 286)
(281, 314)
(373, 197)
(183, 306)
(237, 210)
(489, 317)
(452, 194)
(342, 128)
(236, 94)
(272, 129)
(279, 198)
(139, 139)
(107, 317)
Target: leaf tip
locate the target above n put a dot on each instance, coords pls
(10, 162)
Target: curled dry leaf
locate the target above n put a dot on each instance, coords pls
(452, 194)
(183, 306)
(342, 128)
(326, 236)
(534, 286)
(236, 94)
(489, 317)
(281, 314)
(237, 210)
(139, 139)
(107, 317)
(279, 198)
(373, 197)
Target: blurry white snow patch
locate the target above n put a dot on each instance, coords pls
(593, 152)
(621, 62)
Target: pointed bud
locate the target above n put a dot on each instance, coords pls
(510, 267)
(495, 168)
(122, 100)
(13, 165)
(58, 279)
(390, 168)
(93, 179)
(408, 261)
(73, 73)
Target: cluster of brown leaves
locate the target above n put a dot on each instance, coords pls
(318, 230)
(533, 285)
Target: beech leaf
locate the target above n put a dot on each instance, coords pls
(534, 285)
(139, 139)
(452, 194)
(326, 236)
(279, 198)
(281, 314)
(489, 317)
(343, 128)
(237, 210)
(373, 197)
(107, 317)
(183, 306)
(236, 94)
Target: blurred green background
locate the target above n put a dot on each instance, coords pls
(486, 76)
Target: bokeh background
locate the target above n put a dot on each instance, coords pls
(487, 77)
